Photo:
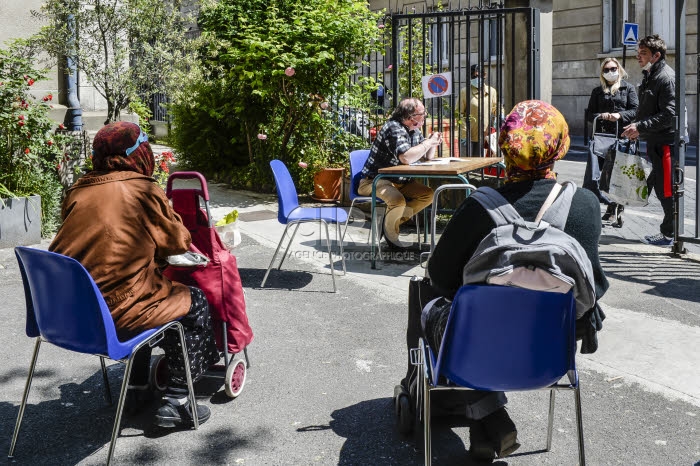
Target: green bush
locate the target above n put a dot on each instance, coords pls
(262, 91)
(31, 153)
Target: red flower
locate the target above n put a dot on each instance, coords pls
(49, 143)
(21, 117)
(58, 166)
(61, 126)
(27, 151)
(30, 82)
(21, 123)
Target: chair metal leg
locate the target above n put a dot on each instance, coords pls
(347, 220)
(579, 428)
(342, 253)
(330, 256)
(188, 375)
(120, 405)
(262, 285)
(550, 420)
(105, 379)
(415, 219)
(23, 404)
(426, 421)
(286, 251)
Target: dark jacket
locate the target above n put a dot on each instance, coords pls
(624, 102)
(657, 104)
(471, 223)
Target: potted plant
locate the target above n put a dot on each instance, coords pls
(31, 152)
(328, 161)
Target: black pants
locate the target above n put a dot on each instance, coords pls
(661, 181)
(199, 340)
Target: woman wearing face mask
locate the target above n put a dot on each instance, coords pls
(615, 103)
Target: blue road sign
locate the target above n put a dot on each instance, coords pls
(630, 34)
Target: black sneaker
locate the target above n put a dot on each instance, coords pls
(502, 432)
(480, 447)
(170, 415)
(609, 212)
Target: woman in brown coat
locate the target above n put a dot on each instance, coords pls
(118, 223)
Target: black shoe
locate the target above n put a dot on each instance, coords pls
(502, 432)
(480, 446)
(170, 415)
(609, 212)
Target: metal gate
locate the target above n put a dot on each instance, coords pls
(680, 173)
(503, 42)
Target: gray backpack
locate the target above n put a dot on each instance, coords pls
(535, 255)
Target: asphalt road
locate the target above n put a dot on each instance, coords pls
(324, 366)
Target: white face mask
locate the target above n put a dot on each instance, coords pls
(476, 82)
(611, 76)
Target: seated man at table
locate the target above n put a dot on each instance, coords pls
(400, 141)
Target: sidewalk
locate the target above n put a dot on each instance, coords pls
(324, 365)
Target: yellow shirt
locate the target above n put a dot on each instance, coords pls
(490, 102)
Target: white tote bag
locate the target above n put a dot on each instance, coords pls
(628, 180)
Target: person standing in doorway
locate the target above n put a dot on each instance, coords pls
(483, 108)
(654, 122)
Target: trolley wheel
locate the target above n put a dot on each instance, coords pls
(404, 415)
(159, 375)
(235, 378)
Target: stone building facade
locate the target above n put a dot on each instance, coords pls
(577, 34)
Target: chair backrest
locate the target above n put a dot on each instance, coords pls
(287, 199)
(357, 162)
(505, 338)
(64, 305)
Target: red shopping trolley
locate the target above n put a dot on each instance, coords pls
(219, 280)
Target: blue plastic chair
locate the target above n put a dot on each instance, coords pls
(290, 213)
(357, 162)
(65, 308)
(501, 338)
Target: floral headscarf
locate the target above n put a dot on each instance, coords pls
(533, 137)
(113, 141)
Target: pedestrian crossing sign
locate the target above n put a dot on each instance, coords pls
(630, 33)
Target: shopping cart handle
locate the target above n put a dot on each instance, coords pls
(204, 192)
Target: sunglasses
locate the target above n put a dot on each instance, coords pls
(143, 137)
(424, 114)
(610, 70)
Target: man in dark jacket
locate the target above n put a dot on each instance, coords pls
(654, 123)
